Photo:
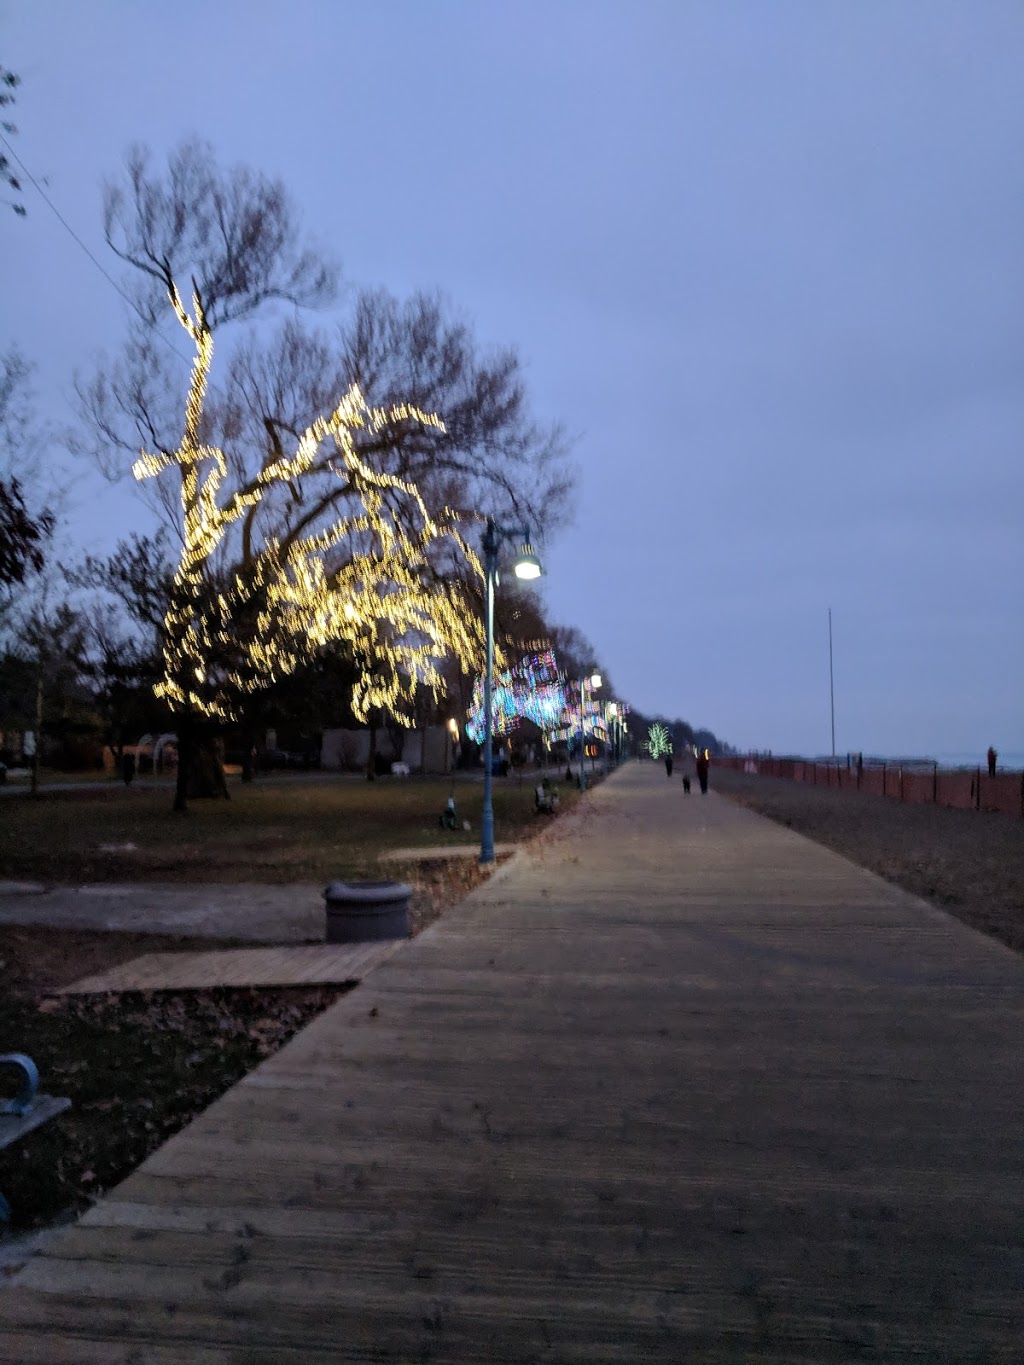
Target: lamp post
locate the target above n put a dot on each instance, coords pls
(593, 681)
(612, 710)
(527, 566)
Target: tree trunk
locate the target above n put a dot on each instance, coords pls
(206, 771)
(371, 762)
(200, 766)
(184, 731)
(38, 724)
(249, 755)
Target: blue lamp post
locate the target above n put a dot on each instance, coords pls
(527, 566)
(611, 711)
(593, 681)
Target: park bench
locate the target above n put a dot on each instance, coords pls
(26, 1110)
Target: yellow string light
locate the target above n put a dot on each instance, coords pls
(381, 594)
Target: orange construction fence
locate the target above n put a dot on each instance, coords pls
(963, 788)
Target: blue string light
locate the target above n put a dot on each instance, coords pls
(534, 689)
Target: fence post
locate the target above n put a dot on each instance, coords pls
(935, 784)
(977, 791)
(901, 783)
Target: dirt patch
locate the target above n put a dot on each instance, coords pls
(439, 885)
(137, 1067)
(967, 862)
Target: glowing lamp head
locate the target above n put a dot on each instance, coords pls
(453, 727)
(528, 565)
(613, 709)
(595, 680)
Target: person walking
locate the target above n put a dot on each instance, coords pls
(992, 756)
(668, 763)
(702, 771)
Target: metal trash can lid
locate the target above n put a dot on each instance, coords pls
(366, 893)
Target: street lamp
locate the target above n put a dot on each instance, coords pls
(594, 681)
(612, 714)
(527, 567)
(452, 745)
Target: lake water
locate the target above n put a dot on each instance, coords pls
(1011, 759)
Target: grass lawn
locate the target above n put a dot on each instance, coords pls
(311, 828)
(22, 777)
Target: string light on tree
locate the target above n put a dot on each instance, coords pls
(658, 741)
(369, 579)
(533, 689)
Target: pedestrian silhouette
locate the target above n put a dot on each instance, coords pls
(702, 772)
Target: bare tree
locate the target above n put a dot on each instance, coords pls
(9, 83)
(22, 536)
(26, 522)
(233, 235)
(278, 477)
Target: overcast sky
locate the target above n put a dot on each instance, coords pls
(765, 260)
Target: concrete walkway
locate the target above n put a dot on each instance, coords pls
(676, 1085)
(250, 912)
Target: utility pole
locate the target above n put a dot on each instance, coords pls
(831, 684)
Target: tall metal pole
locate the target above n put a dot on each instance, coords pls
(831, 685)
(491, 568)
(583, 734)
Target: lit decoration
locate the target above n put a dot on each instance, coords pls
(658, 742)
(373, 579)
(534, 689)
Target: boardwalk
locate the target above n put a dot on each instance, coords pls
(679, 1087)
(318, 964)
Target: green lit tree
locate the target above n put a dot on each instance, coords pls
(658, 741)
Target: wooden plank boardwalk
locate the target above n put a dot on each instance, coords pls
(675, 1085)
(317, 964)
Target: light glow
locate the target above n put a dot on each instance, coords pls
(658, 741)
(535, 689)
(528, 565)
(369, 579)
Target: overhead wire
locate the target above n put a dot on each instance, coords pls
(95, 260)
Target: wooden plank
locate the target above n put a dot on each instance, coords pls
(678, 1086)
(284, 966)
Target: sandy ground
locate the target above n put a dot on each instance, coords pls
(966, 862)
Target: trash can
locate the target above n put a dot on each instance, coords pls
(367, 912)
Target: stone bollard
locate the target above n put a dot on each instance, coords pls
(367, 912)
